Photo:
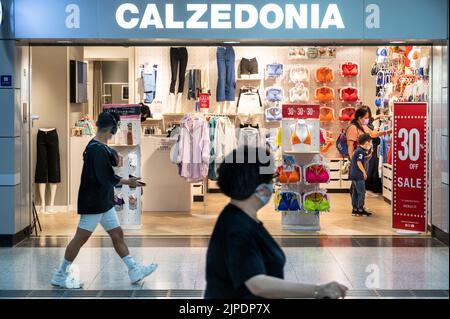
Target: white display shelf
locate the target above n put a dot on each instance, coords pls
(250, 79)
(122, 145)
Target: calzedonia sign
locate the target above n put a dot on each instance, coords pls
(227, 19)
(219, 16)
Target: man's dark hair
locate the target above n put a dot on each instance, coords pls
(364, 138)
(107, 120)
(244, 170)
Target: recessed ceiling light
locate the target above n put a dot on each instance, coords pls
(231, 42)
(64, 41)
(397, 42)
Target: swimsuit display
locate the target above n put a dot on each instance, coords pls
(274, 70)
(326, 114)
(299, 93)
(324, 94)
(299, 74)
(274, 94)
(349, 69)
(287, 201)
(347, 114)
(316, 202)
(301, 134)
(289, 177)
(324, 75)
(349, 94)
(274, 114)
(316, 173)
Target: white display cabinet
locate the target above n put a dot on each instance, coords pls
(127, 144)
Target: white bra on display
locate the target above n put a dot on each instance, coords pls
(299, 74)
(299, 93)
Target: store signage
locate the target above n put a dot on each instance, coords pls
(6, 80)
(125, 111)
(409, 194)
(294, 111)
(228, 19)
(218, 16)
(204, 100)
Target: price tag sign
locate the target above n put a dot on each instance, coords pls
(409, 193)
(204, 100)
(296, 111)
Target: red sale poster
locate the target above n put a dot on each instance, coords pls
(294, 111)
(409, 197)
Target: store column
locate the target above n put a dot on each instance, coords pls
(13, 218)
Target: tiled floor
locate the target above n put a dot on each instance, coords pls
(201, 220)
(359, 268)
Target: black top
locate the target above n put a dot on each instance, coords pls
(240, 248)
(145, 112)
(359, 155)
(96, 194)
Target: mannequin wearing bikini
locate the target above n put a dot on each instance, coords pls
(47, 209)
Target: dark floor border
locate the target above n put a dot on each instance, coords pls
(283, 241)
(198, 294)
(439, 234)
(14, 239)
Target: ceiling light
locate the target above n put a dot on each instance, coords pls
(231, 42)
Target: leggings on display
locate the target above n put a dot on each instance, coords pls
(178, 64)
(48, 160)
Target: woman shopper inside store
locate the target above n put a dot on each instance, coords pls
(243, 259)
(96, 206)
(359, 126)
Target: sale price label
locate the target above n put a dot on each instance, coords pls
(294, 111)
(409, 194)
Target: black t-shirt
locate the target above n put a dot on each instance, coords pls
(96, 194)
(240, 248)
(359, 155)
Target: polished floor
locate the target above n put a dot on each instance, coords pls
(200, 221)
(183, 268)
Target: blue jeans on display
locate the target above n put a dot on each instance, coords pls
(226, 83)
(150, 86)
(358, 193)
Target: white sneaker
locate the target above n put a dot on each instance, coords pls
(64, 280)
(139, 272)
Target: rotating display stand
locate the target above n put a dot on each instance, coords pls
(127, 143)
(305, 149)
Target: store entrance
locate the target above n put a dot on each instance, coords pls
(243, 88)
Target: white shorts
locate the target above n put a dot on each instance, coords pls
(108, 220)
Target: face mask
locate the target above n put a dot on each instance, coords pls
(263, 188)
(366, 121)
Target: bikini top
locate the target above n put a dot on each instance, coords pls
(299, 93)
(305, 134)
(316, 202)
(324, 75)
(349, 69)
(299, 74)
(382, 52)
(285, 177)
(287, 201)
(347, 114)
(349, 94)
(274, 94)
(274, 114)
(326, 114)
(316, 173)
(324, 94)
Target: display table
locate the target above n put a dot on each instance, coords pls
(165, 190)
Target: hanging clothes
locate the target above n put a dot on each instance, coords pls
(195, 84)
(193, 148)
(373, 182)
(223, 142)
(149, 83)
(249, 136)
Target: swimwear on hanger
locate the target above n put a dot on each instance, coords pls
(302, 136)
(326, 114)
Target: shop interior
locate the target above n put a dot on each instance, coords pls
(237, 88)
